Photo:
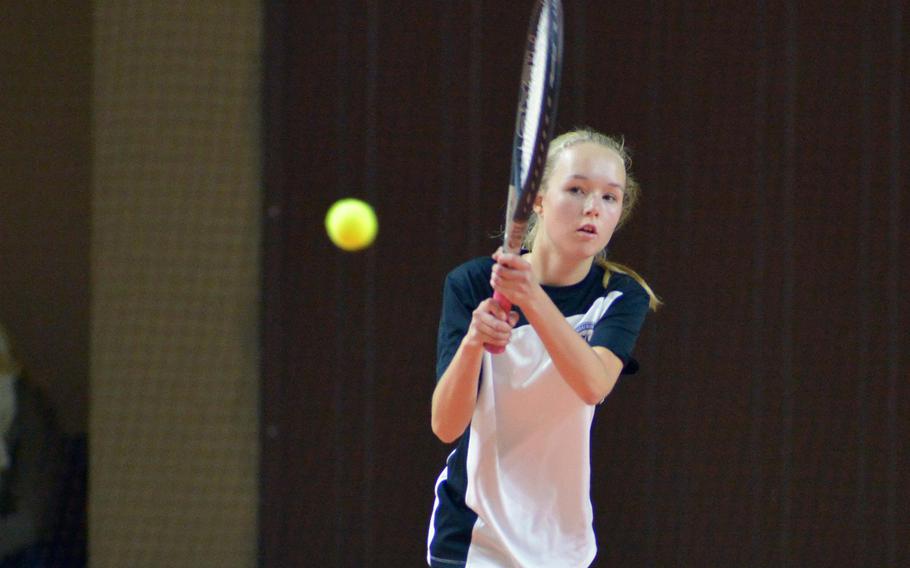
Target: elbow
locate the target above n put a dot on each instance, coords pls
(600, 387)
(593, 399)
(446, 438)
(446, 425)
(597, 394)
(446, 435)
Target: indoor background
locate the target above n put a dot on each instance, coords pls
(252, 395)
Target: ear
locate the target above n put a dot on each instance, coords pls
(538, 204)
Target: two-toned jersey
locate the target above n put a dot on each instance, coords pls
(516, 489)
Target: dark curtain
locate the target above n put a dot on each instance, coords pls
(768, 422)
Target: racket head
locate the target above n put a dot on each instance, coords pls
(535, 118)
(534, 123)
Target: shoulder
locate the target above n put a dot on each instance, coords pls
(470, 271)
(469, 283)
(630, 289)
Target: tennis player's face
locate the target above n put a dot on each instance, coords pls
(583, 200)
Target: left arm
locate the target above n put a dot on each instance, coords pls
(591, 372)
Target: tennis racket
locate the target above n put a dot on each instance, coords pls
(534, 123)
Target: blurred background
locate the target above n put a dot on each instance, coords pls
(231, 390)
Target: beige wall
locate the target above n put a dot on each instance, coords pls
(129, 200)
(174, 266)
(45, 188)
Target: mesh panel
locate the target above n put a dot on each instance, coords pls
(175, 284)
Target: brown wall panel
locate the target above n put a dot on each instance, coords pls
(45, 196)
(764, 427)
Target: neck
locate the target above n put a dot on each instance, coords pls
(552, 269)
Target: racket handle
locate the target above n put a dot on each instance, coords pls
(507, 306)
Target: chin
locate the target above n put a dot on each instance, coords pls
(583, 252)
(593, 248)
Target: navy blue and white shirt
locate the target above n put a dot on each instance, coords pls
(516, 489)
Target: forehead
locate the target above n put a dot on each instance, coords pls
(591, 160)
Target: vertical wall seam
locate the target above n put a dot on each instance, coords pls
(758, 283)
(895, 331)
(788, 284)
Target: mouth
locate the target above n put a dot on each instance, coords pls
(588, 230)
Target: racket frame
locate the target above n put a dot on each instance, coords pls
(522, 193)
(520, 203)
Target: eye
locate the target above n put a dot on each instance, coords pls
(576, 191)
(613, 196)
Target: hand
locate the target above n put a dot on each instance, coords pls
(513, 278)
(491, 325)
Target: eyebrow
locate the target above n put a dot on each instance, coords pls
(586, 178)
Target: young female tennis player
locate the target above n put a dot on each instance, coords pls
(515, 490)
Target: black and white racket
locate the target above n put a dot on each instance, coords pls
(534, 122)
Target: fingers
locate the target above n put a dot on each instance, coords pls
(507, 259)
(494, 331)
(491, 324)
(512, 277)
(494, 308)
(503, 272)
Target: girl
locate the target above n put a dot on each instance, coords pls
(515, 490)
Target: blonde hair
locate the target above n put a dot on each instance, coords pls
(631, 194)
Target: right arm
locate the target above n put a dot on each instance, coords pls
(456, 391)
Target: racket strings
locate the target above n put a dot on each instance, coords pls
(536, 90)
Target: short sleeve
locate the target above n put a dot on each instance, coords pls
(465, 287)
(619, 328)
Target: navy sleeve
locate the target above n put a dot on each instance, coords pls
(454, 320)
(465, 287)
(618, 329)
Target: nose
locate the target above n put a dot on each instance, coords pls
(592, 205)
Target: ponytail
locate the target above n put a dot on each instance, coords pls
(610, 267)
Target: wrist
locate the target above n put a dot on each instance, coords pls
(471, 343)
(535, 302)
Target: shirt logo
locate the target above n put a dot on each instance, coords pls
(585, 329)
(585, 326)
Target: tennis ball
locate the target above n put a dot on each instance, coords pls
(351, 224)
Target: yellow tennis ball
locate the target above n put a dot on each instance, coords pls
(351, 224)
